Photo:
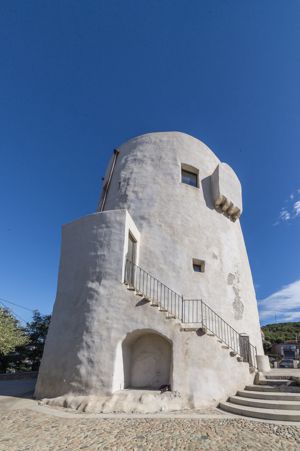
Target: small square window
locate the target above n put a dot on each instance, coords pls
(198, 265)
(190, 178)
(197, 268)
(189, 175)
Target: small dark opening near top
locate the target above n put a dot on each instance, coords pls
(197, 268)
(198, 265)
(189, 178)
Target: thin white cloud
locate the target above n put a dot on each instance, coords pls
(284, 304)
(296, 207)
(284, 215)
(291, 210)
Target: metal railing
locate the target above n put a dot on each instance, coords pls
(153, 290)
(192, 311)
(195, 311)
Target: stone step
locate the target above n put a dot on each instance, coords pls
(275, 382)
(262, 388)
(265, 404)
(255, 412)
(191, 327)
(279, 396)
(274, 376)
(188, 329)
(274, 388)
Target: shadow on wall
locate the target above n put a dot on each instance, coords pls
(147, 360)
(207, 192)
(142, 302)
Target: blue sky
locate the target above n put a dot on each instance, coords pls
(79, 78)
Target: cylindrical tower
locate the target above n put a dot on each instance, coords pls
(171, 207)
(180, 222)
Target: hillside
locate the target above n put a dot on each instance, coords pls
(281, 331)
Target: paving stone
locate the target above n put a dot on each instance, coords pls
(29, 430)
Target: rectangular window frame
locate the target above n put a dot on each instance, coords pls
(198, 265)
(189, 172)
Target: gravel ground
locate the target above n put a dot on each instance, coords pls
(23, 429)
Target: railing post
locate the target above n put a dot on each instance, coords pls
(160, 294)
(131, 274)
(125, 271)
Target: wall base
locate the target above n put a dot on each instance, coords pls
(124, 401)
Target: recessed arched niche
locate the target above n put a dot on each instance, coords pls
(147, 360)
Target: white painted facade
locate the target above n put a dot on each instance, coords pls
(103, 338)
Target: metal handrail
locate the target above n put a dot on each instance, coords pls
(153, 289)
(192, 311)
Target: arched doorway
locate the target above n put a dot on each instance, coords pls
(147, 359)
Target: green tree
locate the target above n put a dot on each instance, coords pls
(28, 357)
(11, 336)
(37, 331)
(279, 332)
(267, 346)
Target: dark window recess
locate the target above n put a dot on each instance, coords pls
(198, 265)
(197, 268)
(189, 178)
(131, 254)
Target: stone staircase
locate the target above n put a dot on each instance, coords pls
(272, 398)
(191, 314)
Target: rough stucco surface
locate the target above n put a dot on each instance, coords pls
(150, 362)
(86, 360)
(178, 222)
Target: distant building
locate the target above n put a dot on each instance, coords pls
(289, 349)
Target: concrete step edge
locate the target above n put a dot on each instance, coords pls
(262, 388)
(188, 329)
(265, 404)
(280, 396)
(275, 382)
(270, 375)
(267, 414)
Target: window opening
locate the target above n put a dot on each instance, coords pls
(189, 175)
(198, 265)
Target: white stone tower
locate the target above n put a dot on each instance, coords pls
(168, 226)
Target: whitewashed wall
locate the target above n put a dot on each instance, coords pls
(95, 315)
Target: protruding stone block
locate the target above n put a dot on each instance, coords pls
(227, 191)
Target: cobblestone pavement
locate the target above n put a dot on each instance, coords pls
(25, 429)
